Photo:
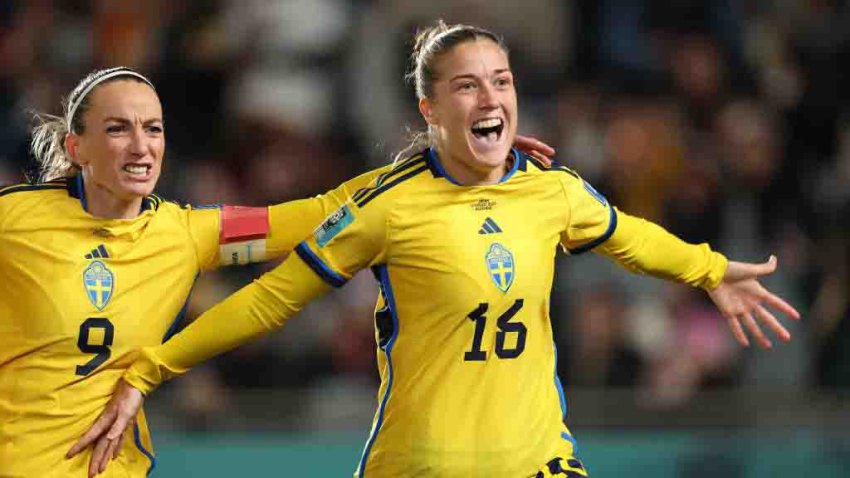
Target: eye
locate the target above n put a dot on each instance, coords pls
(115, 128)
(503, 81)
(467, 85)
(154, 129)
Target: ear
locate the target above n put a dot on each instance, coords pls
(426, 108)
(72, 145)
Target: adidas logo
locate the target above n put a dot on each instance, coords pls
(99, 253)
(489, 227)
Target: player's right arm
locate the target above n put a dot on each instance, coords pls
(238, 235)
(350, 239)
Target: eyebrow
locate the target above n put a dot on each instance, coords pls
(125, 120)
(472, 77)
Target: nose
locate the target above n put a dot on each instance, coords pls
(138, 141)
(487, 97)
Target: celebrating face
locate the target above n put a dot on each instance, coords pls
(473, 111)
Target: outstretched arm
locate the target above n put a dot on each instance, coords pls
(644, 247)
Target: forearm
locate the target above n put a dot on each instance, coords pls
(644, 247)
(256, 309)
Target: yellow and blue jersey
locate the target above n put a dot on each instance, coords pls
(82, 294)
(464, 341)
(466, 354)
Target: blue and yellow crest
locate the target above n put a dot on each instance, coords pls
(500, 264)
(99, 283)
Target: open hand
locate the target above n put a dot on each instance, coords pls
(107, 432)
(742, 299)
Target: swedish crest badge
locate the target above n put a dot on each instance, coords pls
(99, 283)
(500, 265)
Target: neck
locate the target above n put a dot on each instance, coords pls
(100, 202)
(468, 175)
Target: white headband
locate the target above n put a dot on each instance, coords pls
(97, 81)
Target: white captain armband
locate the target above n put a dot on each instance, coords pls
(243, 235)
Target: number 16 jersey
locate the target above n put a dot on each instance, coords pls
(466, 355)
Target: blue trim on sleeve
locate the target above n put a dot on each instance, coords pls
(172, 329)
(612, 225)
(319, 267)
(138, 439)
(383, 275)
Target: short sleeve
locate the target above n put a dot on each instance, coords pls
(590, 218)
(350, 239)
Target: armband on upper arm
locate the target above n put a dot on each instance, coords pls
(242, 239)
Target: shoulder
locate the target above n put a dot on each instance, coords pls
(390, 180)
(29, 190)
(534, 166)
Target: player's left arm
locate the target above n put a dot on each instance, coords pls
(646, 248)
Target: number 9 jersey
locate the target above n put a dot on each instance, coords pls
(81, 295)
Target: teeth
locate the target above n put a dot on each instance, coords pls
(135, 169)
(487, 123)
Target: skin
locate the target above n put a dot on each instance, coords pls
(473, 81)
(123, 126)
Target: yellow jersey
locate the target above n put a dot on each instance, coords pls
(82, 294)
(464, 341)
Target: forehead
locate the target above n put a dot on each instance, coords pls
(474, 57)
(125, 97)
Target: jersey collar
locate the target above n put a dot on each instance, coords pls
(76, 190)
(439, 172)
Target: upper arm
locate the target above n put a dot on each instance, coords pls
(350, 239)
(291, 222)
(591, 220)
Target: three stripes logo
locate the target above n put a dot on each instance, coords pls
(489, 227)
(98, 253)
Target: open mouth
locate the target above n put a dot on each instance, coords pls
(138, 170)
(489, 129)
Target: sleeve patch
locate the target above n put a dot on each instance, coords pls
(596, 194)
(243, 223)
(333, 225)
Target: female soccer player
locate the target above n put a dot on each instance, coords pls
(95, 266)
(461, 238)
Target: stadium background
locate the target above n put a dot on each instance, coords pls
(726, 121)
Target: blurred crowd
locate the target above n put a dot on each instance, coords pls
(725, 121)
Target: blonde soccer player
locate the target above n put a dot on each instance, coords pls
(461, 236)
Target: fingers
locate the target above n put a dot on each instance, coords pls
(777, 303)
(756, 331)
(100, 425)
(96, 464)
(737, 331)
(543, 159)
(774, 325)
(533, 143)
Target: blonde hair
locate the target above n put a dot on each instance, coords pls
(48, 132)
(429, 44)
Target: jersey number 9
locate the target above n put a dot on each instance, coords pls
(102, 350)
